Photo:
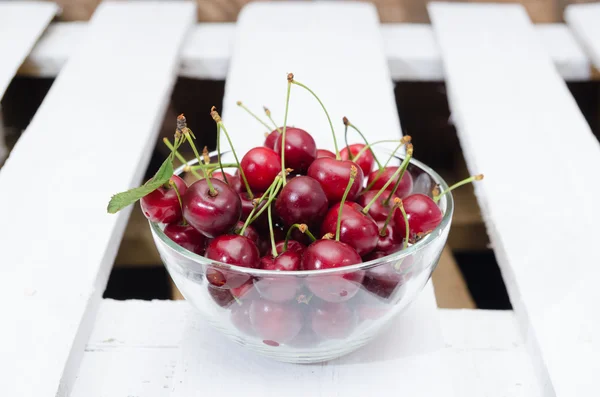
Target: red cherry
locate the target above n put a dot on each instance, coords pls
(423, 215)
(333, 320)
(366, 159)
(293, 245)
(330, 254)
(261, 165)
(211, 215)
(235, 250)
(287, 261)
(383, 280)
(392, 241)
(377, 210)
(300, 149)
(279, 289)
(264, 242)
(325, 153)
(275, 323)
(221, 297)
(249, 232)
(162, 205)
(405, 187)
(271, 138)
(302, 200)
(240, 317)
(356, 229)
(232, 180)
(186, 236)
(333, 176)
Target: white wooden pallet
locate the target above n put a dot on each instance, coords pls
(114, 77)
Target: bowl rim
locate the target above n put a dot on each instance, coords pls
(447, 200)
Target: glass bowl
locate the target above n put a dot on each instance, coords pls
(309, 316)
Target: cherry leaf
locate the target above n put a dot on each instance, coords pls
(124, 199)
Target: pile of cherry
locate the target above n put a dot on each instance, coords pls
(290, 206)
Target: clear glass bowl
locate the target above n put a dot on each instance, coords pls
(361, 299)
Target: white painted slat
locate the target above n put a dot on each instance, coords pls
(346, 66)
(584, 21)
(539, 199)
(91, 137)
(21, 24)
(410, 49)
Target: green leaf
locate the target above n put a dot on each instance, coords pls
(123, 199)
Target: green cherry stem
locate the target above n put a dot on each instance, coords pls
(240, 104)
(337, 151)
(249, 219)
(268, 113)
(290, 79)
(303, 229)
(353, 172)
(380, 172)
(217, 118)
(188, 134)
(406, 226)
(350, 155)
(272, 194)
(383, 231)
(182, 159)
(459, 184)
(403, 167)
(347, 123)
(271, 234)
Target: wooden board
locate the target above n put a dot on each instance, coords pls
(61, 243)
(518, 123)
(584, 21)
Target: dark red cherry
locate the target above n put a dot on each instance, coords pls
(405, 187)
(275, 323)
(249, 232)
(211, 215)
(264, 242)
(423, 215)
(162, 205)
(271, 138)
(356, 229)
(240, 317)
(330, 254)
(392, 241)
(333, 176)
(221, 297)
(186, 236)
(232, 180)
(302, 200)
(293, 245)
(366, 159)
(377, 210)
(383, 280)
(333, 320)
(325, 153)
(300, 149)
(279, 289)
(261, 165)
(234, 250)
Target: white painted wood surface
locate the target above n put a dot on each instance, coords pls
(346, 66)
(91, 137)
(518, 123)
(411, 51)
(484, 351)
(584, 21)
(21, 24)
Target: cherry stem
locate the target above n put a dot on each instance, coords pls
(347, 123)
(271, 197)
(350, 155)
(397, 203)
(404, 140)
(300, 226)
(181, 158)
(406, 226)
(383, 188)
(240, 104)
(268, 113)
(173, 186)
(403, 167)
(217, 118)
(353, 172)
(337, 151)
(290, 78)
(249, 220)
(219, 153)
(458, 184)
(271, 234)
(188, 134)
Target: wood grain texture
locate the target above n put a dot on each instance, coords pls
(501, 83)
(54, 274)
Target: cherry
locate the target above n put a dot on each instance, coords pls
(279, 289)
(240, 317)
(366, 159)
(423, 215)
(187, 237)
(301, 200)
(232, 180)
(325, 153)
(391, 240)
(162, 205)
(330, 254)
(333, 320)
(333, 176)
(249, 232)
(211, 213)
(261, 165)
(383, 280)
(378, 210)
(300, 149)
(404, 188)
(222, 297)
(356, 229)
(274, 322)
(235, 250)
(271, 138)
(264, 244)
(287, 261)
(293, 245)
